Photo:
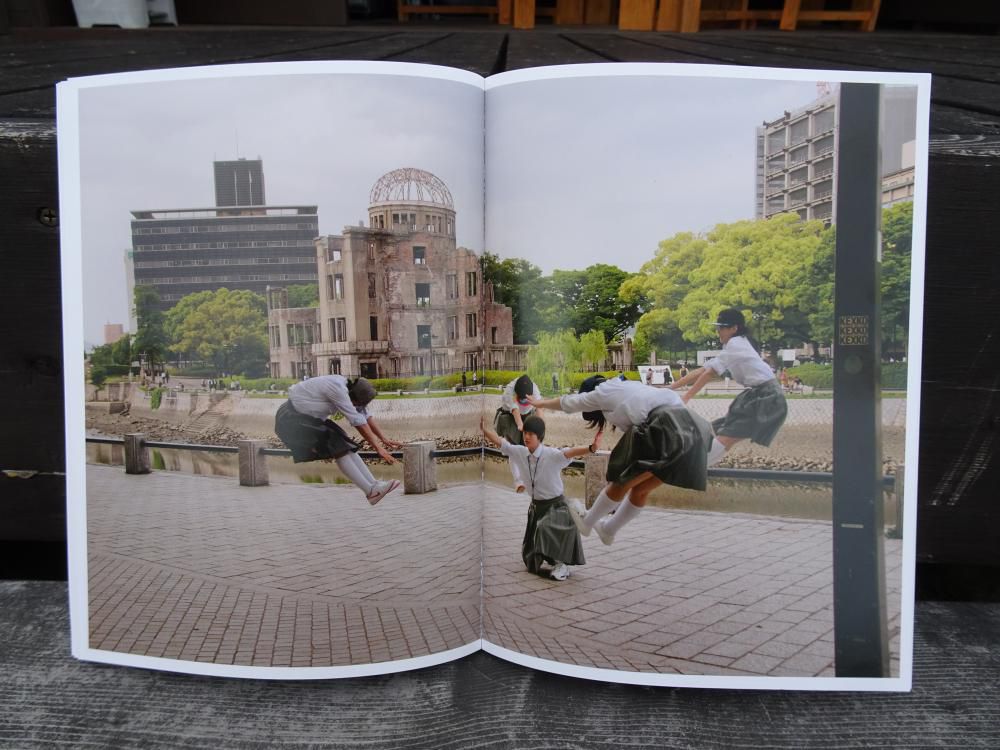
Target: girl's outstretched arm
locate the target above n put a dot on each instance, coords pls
(488, 433)
(704, 375)
(689, 378)
(583, 450)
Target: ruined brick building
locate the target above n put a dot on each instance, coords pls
(397, 298)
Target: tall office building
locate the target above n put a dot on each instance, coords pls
(797, 153)
(238, 244)
(239, 183)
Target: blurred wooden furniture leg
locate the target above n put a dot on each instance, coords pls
(597, 12)
(636, 15)
(790, 15)
(865, 12)
(569, 12)
(668, 17)
(524, 14)
(690, 16)
(505, 12)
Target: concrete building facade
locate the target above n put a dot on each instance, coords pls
(796, 162)
(236, 246)
(398, 298)
(797, 156)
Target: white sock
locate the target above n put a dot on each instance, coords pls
(625, 513)
(716, 452)
(355, 470)
(601, 507)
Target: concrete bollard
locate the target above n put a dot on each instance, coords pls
(595, 467)
(136, 454)
(419, 474)
(253, 463)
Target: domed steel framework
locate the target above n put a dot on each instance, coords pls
(409, 185)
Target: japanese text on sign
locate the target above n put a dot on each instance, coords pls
(853, 330)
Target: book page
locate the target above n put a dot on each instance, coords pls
(241, 245)
(686, 251)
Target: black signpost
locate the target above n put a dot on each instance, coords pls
(860, 632)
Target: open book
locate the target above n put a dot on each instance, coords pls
(443, 237)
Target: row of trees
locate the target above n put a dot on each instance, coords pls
(225, 329)
(586, 300)
(780, 270)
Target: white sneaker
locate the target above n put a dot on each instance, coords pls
(578, 512)
(381, 489)
(606, 536)
(560, 572)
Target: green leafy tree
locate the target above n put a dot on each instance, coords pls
(897, 243)
(765, 268)
(121, 351)
(98, 376)
(150, 336)
(227, 328)
(303, 295)
(520, 286)
(102, 355)
(593, 349)
(556, 352)
(590, 300)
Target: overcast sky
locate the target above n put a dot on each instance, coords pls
(324, 140)
(582, 170)
(588, 170)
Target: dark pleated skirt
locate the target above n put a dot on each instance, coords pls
(757, 413)
(309, 438)
(506, 427)
(672, 443)
(550, 536)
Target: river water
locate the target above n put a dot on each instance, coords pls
(800, 500)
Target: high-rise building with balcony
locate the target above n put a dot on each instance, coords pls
(797, 153)
(796, 162)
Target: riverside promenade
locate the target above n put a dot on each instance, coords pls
(201, 569)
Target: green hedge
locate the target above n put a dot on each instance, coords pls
(260, 384)
(894, 375)
(812, 374)
(821, 376)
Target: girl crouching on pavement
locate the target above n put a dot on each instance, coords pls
(550, 537)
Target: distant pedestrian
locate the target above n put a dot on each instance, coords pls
(649, 376)
(508, 421)
(550, 536)
(475, 377)
(464, 381)
(303, 424)
(759, 411)
(555, 382)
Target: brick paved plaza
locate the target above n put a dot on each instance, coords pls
(679, 592)
(199, 568)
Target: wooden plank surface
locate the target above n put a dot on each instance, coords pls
(48, 699)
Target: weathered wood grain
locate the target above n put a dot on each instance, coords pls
(48, 699)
